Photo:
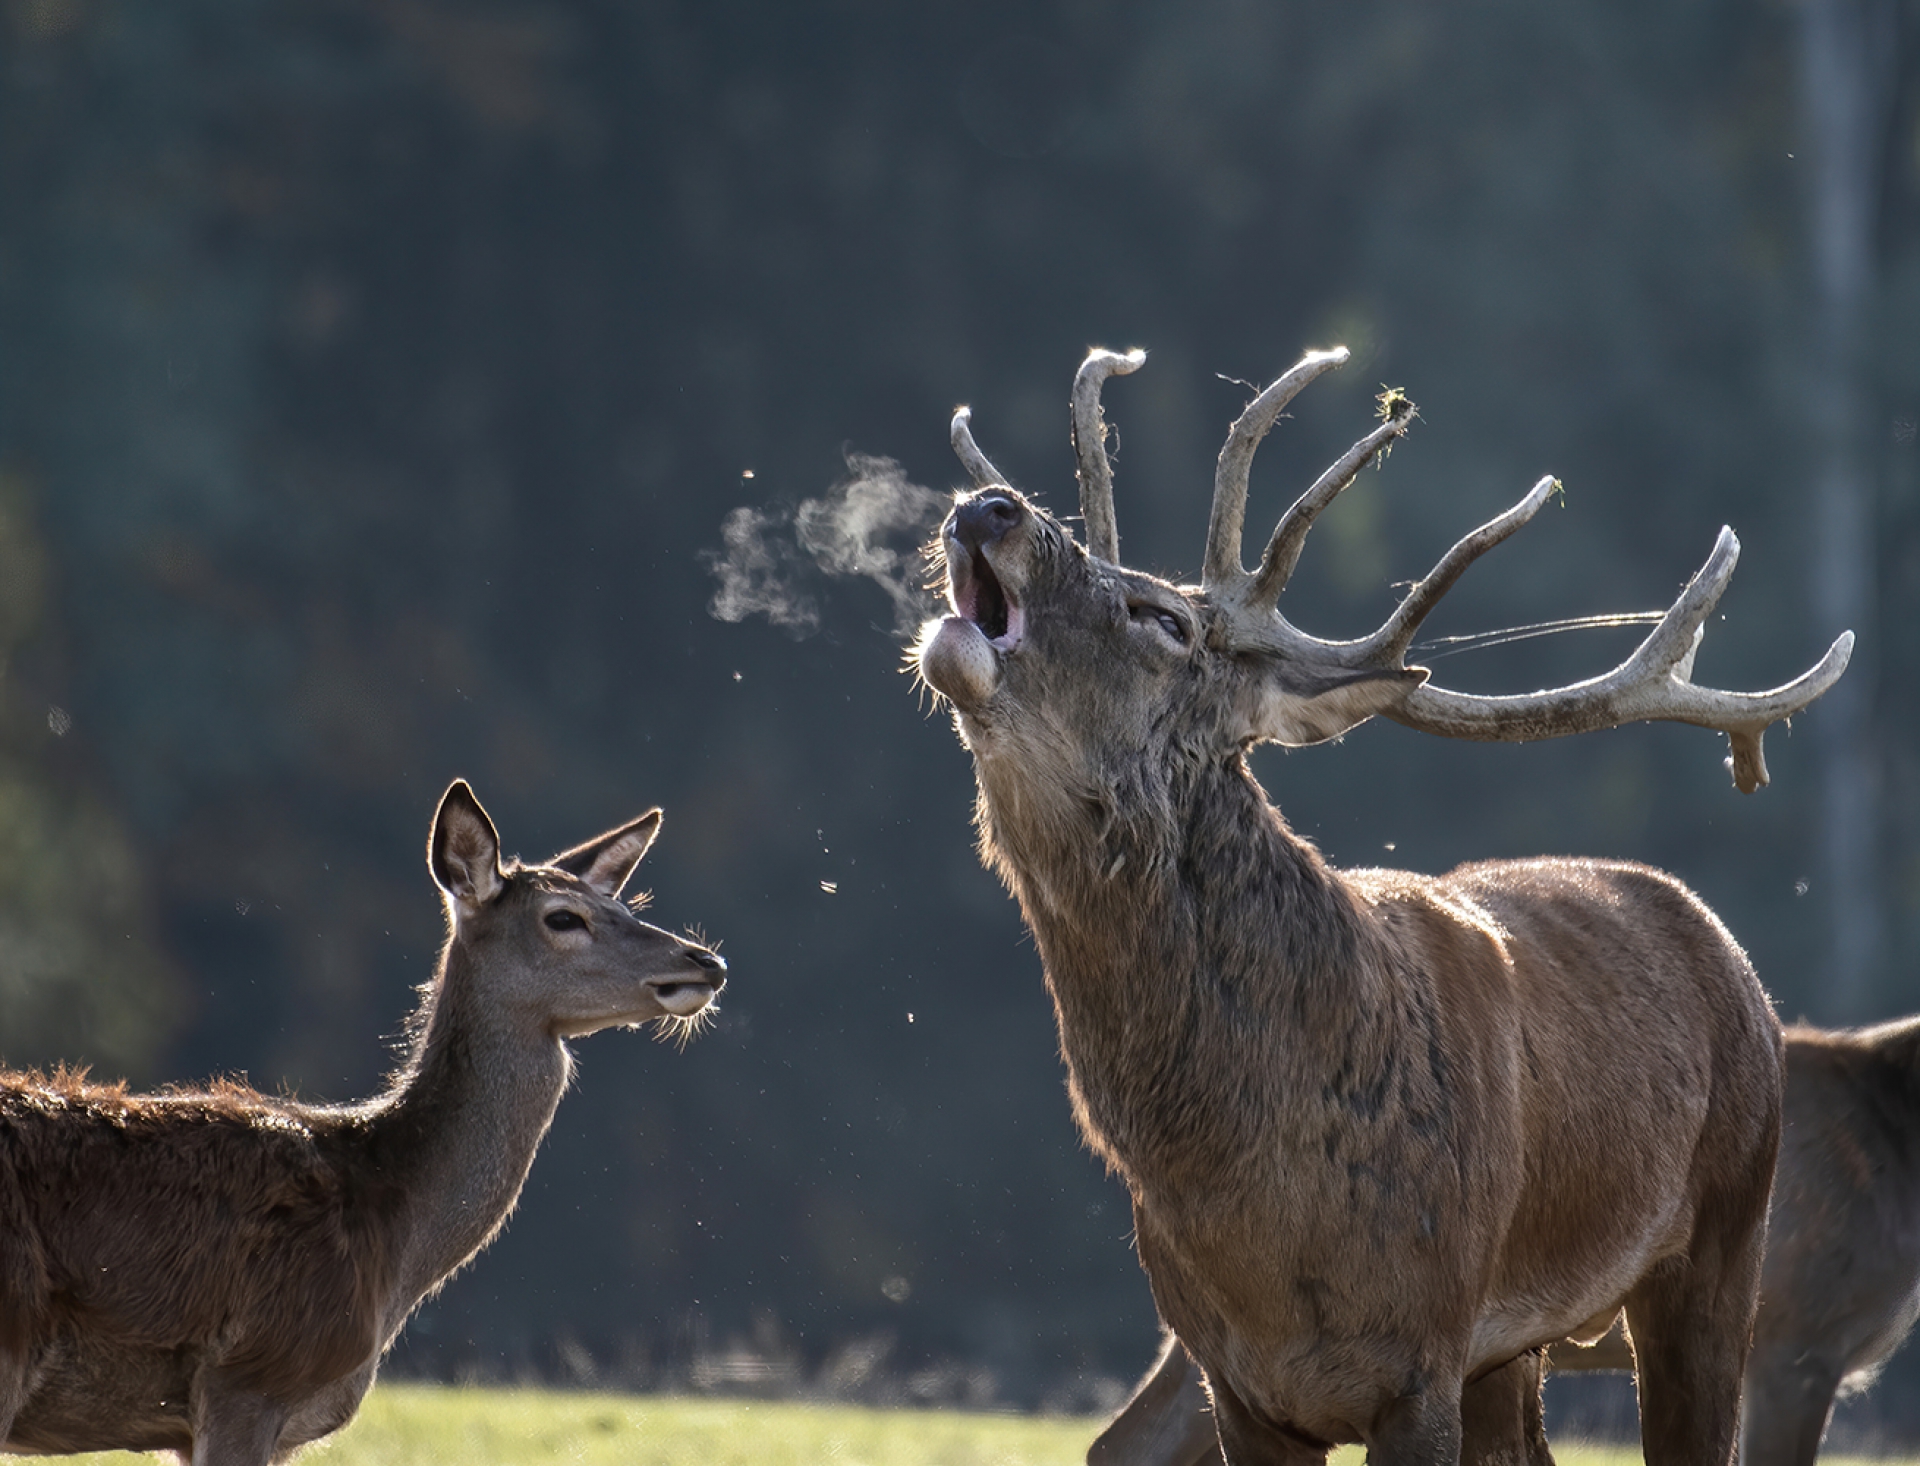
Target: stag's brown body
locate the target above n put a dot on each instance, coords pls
(1364, 1116)
(1839, 1291)
(219, 1273)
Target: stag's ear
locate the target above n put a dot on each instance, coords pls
(463, 852)
(1296, 709)
(605, 862)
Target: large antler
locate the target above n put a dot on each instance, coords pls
(1654, 683)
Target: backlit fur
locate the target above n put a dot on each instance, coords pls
(1838, 1294)
(1364, 1116)
(217, 1272)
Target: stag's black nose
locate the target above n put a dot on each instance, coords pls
(983, 519)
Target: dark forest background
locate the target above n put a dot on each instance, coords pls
(375, 379)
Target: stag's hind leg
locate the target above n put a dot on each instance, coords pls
(1692, 1320)
(233, 1425)
(1248, 1438)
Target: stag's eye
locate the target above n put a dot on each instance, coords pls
(564, 920)
(1170, 625)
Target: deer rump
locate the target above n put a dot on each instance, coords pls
(1386, 1134)
(108, 1200)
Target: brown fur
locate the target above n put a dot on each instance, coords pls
(1839, 1289)
(1168, 1421)
(1363, 1115)
(218, 1272)
(1842, 1282)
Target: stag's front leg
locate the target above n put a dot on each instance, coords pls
(1502, 1420)
(1789, 1400)
(1248, 1438)
(1167, 1422)
(1418, 1429)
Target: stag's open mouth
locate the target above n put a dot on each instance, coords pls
(979, 597)
(961, 655)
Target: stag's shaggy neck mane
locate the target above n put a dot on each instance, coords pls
(1179, 947)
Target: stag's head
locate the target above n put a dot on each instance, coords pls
(1063, 660)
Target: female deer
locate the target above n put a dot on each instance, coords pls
(218, 1273)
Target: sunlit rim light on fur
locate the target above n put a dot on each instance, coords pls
(678, 1031)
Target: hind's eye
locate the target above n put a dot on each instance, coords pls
(564, 920)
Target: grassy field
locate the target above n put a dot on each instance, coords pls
(425, 1425)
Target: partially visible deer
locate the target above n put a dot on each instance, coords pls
(1839, 1291)
(218, 1273)
(1842, 1284)
(1362, 1115)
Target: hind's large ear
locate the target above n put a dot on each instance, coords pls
(605, 862)
(463, 852)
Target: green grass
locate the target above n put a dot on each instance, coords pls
(428, 1425)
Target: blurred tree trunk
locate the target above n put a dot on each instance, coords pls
(1848, 70)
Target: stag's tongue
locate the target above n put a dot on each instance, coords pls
(959, 663)
(979, 596)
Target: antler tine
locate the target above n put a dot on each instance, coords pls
(983, 473)
(1655, 683)
(1222, 565)
(1391, 640)
(1090, 447)
(1290, 535)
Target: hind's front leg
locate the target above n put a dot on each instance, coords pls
(1419, 1429)
(13, 1390)
(233, 1426)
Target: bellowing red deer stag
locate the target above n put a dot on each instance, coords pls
(1363, 1115)
(218, 1273)
(1839, 1292)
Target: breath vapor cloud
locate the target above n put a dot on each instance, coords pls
(871, 524)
